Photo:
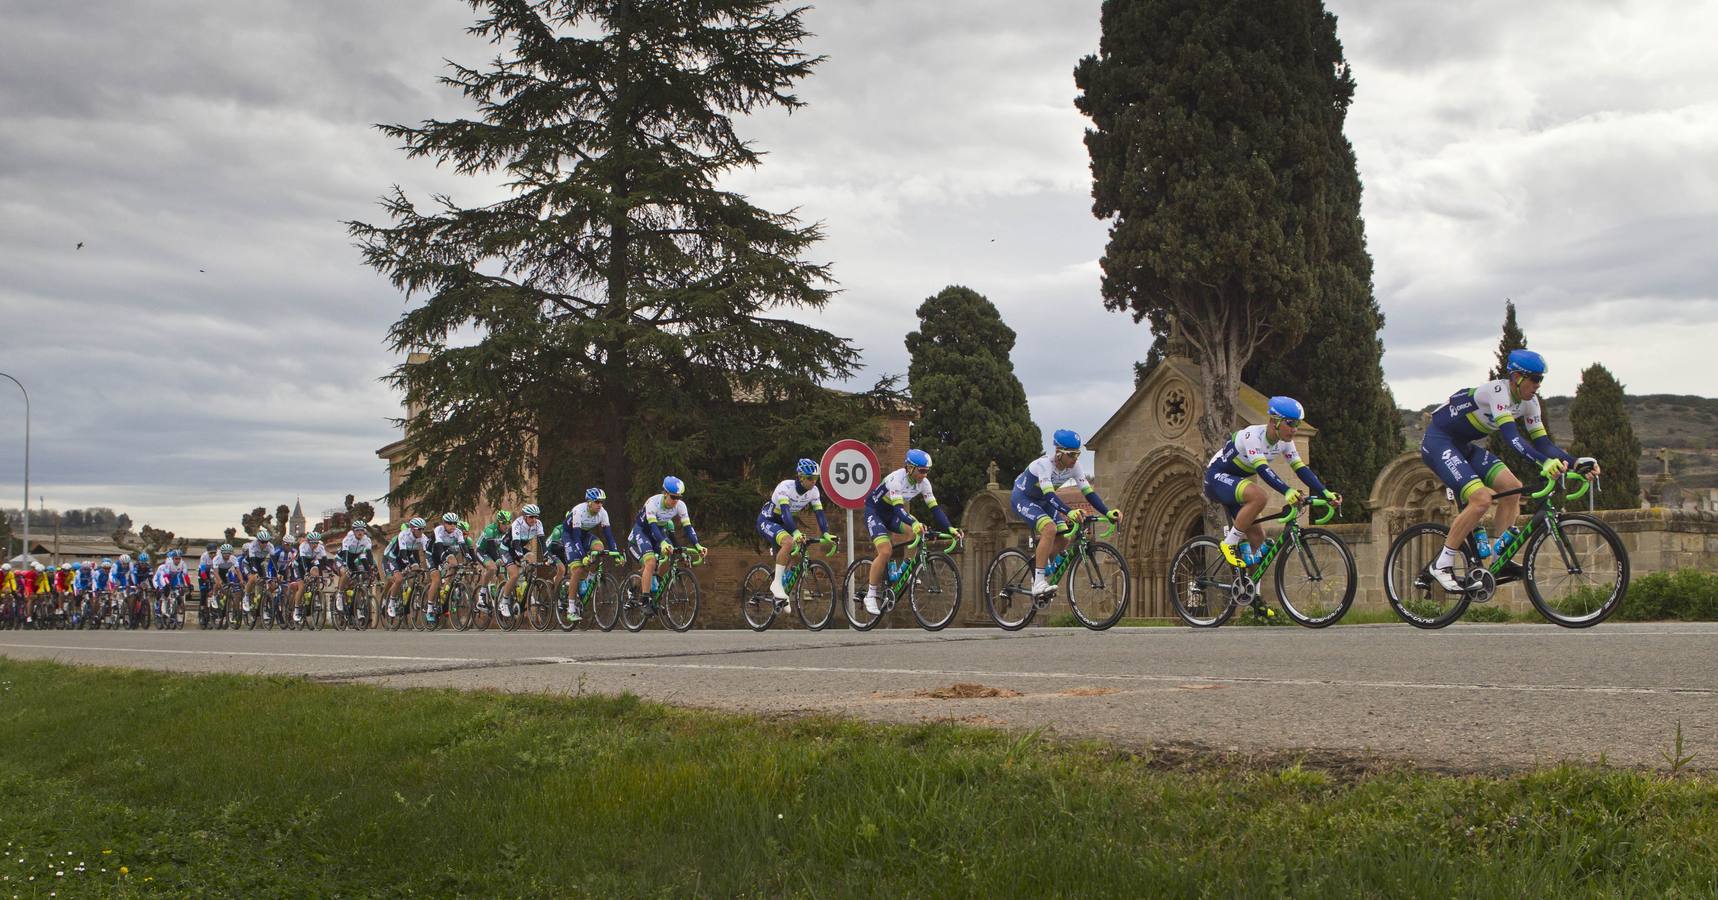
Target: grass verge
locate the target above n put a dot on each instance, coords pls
(244, 786)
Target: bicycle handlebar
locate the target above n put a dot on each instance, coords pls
(1293, 510)
(1550, 485)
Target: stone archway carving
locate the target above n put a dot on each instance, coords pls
(988, 528)
(1406, 492)
(1164, 506)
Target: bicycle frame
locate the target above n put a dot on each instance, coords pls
(1078, 538)
(1544, 513)
(1290, 535)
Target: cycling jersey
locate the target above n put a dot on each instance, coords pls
(1034, 496)
(1448, 446)
(1249, 452)
(489, 543)
(169, 574)
(444, 540)
(521, 534)
(886, 505)
(788, 500)
(312, 554)
(83, 581)
(573, 536)
(656, 523)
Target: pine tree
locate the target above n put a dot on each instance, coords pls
(974, 409)
(1218, 155)
(1599, 419)
(628, 311)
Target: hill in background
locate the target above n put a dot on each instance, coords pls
(1685, 425)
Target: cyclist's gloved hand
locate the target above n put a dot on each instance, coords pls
(1292, 497)
(798, 536)
(665, 548)
(1552, 467)
(616, 555)
(699, 548)
(1114, 515)
(1331, 497)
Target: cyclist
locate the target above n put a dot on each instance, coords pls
(1034, 500)
(355, 556)
(259, 557)
(889, 522)
(203, 580)
(448, 539)
(227, 568)
(311, 554)
(1228, 477)
(405, 550)
(653, 531)
(578, 544)
(170, 574)
(778, 524)
(1507, 406)
(489, 552)
(515, 552)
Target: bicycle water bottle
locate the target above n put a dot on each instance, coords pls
(655, 583)
(585, 584)
(894, 570)
(1505, 541)
(1482, 542)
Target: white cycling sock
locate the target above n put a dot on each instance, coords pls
(1447, 559)
(779, 569)
(1233, 536)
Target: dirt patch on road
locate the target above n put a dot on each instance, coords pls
(1089, 692)
(966, 690)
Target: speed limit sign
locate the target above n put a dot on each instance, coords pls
(849, 473)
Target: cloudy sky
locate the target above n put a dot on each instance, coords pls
(216, 342)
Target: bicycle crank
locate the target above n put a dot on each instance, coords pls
(1481, 586)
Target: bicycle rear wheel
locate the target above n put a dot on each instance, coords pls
(680, 601)
(633, 611)
(1099, 587)
(1008, 590)
(814, 596)
(757, 606)
(1408, 584)
(540, 604)
(1202, 583)
(1577, 571)
(1315, 579)
(854, 587)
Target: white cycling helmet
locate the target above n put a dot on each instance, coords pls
(531, 510)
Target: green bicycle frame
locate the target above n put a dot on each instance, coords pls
(1544, 514)
(1290, 534)
(1076, 550)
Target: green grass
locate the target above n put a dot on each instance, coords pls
(231, 786)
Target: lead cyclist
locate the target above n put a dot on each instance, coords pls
(1507, 406)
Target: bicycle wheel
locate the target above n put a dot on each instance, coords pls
(253, 600)
(1315, 578)
(633, 611)
(1408, 584)
(935, 592)
(1202, 583)
(814, 596)
(397, 608)
(540, 604)
(563, 619)
(605, 602)
(1577, 571)
(757, 606)
(1008, 590)
(854, 587)
(1099, 587)
(680, 601)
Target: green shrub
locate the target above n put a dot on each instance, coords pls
(1689, 595)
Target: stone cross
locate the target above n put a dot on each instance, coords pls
(1664, 457)
(992, 470)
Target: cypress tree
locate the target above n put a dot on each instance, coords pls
(1599, 418)
(627, 311)
(974, 408)
(1513, 338)
(1218, 155)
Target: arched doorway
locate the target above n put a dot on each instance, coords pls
(1164, 508)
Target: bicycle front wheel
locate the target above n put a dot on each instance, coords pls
(854, 587)
(1099, 587)
(935, 592)
(1202, 583)
(757, 607)
(680, 601)
(1315, 578)
(1408, 582)
(1577, 571)
(814, 596)
(605, 602)
(1008, 590)
(633, 611)
(542, 602)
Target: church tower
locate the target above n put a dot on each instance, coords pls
(297, 520)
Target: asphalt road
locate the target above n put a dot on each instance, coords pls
(1470, 697)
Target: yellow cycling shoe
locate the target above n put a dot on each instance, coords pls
(1231, 553)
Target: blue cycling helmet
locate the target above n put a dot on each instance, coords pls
(142, 557)
(595, 495)
(1286, 408)
(1526, 361)
(1066, 440)
(807, 468)
(673, 486)
(172, 554)
(919, 458)
(107, 563)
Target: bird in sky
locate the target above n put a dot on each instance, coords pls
(203, 270)
(80, 245)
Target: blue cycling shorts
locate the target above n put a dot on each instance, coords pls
(1223, 487)
(1031, 511)
(1457, 463)
(882, 520)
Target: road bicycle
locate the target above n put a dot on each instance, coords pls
(263, 603)
(1574, 566)
(396, 612)
(1093, 573)
(1313, 569)
(356, 608)
(929, 579)
(809, 582)
(673, 593)
(169, 608)
(599, 591)
(219, 607)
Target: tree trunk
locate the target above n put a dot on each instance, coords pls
(1221, 385)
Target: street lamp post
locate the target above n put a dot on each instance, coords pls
(20, 385)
